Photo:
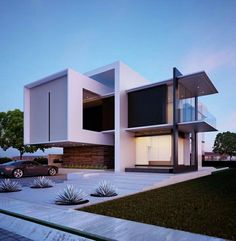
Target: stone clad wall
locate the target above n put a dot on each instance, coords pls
(89, 156)
(53, 157)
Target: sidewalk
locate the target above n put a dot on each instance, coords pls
(108, 227)
(87, 180)
(9, 236)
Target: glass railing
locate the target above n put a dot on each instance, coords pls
(205, 115)
(187, 112)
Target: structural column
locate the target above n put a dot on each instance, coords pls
(194, 136)
(175, 134)
(194, 161)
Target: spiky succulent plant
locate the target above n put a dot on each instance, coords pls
(105, 189)
(42, 182)
(8, 185)
(71, 196)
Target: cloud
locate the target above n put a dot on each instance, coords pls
(208, 60)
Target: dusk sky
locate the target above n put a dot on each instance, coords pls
(41, 37)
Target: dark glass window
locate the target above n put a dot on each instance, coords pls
(98, 112)
(148, 106)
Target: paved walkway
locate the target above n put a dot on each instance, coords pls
(10, 236)
(109, 227)
(27, 181)
(87, 180)
(40, 204)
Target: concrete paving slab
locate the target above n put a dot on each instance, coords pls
(126, 184)
(39, 203)
(109, 227)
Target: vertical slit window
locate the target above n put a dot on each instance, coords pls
(49, 115)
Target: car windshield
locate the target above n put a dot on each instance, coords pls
(10, 163)
(14, 162)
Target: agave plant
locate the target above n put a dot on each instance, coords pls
(71, 196)
(105, 189)
(8, 185)
(42, 182)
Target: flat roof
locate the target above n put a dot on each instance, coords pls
(48, 79)
(197, 84)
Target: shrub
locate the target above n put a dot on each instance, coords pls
(42, 182)
(105, 189)
(41, 160)
(5, 159)
(8, 185)
(71, 196)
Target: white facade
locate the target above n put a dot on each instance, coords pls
(65, 110)
(53, 115)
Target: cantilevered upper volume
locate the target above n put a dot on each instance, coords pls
(112, 116)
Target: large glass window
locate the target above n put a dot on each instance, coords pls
(170, 104)
(98, 112)
(157, 150)
(147, 106)
(153, 150)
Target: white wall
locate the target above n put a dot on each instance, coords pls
(38, 111)
(76, 83)
(187, 149)
(26, 116)
(66, 97)
(142, 145)
(125, 151)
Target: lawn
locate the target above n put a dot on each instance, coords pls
(205, 205)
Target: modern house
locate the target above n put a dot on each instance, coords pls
(112, 116)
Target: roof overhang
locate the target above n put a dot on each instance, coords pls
(47, 79)
(62, 144)
(151, 130)
(197, 84)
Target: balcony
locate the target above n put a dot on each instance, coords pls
(205, 120)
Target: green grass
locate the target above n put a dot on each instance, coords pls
(205, 205)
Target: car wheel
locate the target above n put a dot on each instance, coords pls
(52, 172)
(18, 173)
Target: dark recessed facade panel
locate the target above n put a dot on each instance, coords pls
(108, 113)
(98, 115)
(147, 107)
(92, 118)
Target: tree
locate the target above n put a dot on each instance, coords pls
(12, 132)
(225, 144)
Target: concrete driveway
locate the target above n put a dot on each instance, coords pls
(87, 180)
(27, 181)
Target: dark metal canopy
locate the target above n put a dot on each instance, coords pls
(193, 85)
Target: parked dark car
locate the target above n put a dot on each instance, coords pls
(19, 168)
